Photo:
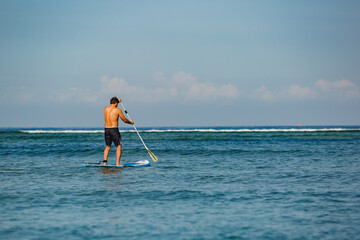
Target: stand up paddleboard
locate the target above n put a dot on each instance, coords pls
(144, 163)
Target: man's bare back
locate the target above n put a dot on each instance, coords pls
(112, 114)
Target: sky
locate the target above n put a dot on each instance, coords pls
(180, 63)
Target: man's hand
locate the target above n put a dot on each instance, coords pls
(120, 100)
(132, 122)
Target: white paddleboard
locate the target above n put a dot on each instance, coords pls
(143, 163)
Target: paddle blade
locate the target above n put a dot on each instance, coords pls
(153, 157)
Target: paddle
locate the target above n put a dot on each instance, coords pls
(153, 157)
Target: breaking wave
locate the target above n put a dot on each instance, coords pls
(204, 130)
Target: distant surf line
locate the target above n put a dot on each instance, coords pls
(62, 131)
(203, 130)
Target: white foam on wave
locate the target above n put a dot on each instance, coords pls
(257, 130)
(62, 131)
(239, 130)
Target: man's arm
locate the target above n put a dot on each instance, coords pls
(124, 119)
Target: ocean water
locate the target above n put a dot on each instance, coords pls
(209, 183)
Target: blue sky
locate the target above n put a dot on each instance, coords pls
(180, 63)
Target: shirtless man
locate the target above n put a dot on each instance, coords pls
(112, 134)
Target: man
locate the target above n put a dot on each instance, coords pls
(112, 134)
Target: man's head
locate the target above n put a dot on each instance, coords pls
(114, 100)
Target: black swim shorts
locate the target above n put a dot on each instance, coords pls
(112, 135)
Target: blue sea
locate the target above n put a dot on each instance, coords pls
(209, 183)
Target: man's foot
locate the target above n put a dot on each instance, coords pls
(120, 165)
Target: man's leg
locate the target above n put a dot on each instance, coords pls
(118, 155)
(106, 154)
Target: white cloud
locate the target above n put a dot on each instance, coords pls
(184, 79)
(289, 93)
(341, 88)
(322, 88)
(298, 92)
(120, 87)
(203, 91)
(193, 89)
(181, 85)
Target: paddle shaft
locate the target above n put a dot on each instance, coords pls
(153, 157)
(134, 126)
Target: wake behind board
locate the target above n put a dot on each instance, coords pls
(144, 163)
